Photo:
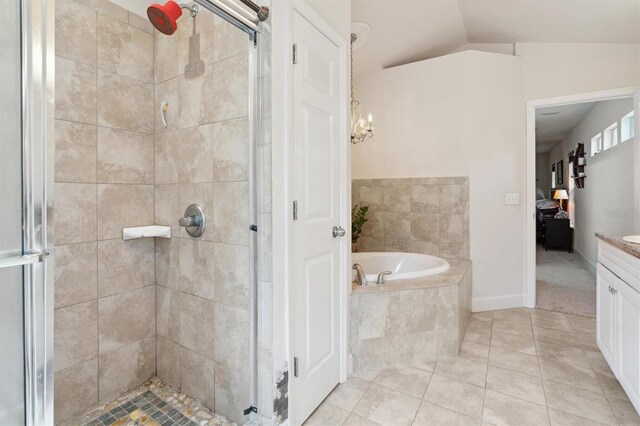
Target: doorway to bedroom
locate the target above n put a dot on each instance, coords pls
(584, 183)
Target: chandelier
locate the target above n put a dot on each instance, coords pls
(360, 128)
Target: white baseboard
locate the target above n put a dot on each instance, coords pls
(498, 302)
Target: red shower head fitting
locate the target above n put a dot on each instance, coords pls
(165, 16)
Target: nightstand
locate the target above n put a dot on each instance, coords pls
(559, 234)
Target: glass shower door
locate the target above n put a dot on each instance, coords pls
(12, 386)
(25, 293)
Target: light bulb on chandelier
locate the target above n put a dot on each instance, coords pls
(360, 128)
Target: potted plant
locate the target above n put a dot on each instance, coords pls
(358, 219)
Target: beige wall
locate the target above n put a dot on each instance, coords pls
(464, 114)
(202, 157)
(104, 286)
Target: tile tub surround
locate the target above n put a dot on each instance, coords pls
(418, 215)
(104, 319)
(516, 367)
(411, 322)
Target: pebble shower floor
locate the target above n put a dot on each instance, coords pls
(153, 404)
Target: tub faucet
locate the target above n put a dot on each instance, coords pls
(361, 278)
(381, 276)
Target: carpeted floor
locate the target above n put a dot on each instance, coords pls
(564, 283)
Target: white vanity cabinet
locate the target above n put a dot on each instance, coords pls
(618, 316)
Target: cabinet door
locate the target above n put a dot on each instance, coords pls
(605, 315)
(628, 325)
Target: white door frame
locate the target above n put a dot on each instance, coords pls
(302, 8)
(530, 216)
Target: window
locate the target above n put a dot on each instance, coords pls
(610, 136)
(596, 144)
(627, 127)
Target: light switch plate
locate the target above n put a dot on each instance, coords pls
(512, 198)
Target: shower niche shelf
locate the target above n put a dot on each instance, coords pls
(151, 231)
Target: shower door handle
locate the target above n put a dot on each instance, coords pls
(338, 231)
(23, 260)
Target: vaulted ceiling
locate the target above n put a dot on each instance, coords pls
(404, 31)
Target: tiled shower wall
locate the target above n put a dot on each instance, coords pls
(419, 215)
(202, 157)
(104, 172)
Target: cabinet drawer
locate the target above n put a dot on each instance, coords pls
(622, 264)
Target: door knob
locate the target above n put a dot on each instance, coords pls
(338, 231)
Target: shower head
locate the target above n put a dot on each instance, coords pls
(165, 16)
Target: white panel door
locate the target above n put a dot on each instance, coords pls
(628, 338)
(316, 188)
(605, 314)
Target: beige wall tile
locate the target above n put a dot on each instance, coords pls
(231, 272)
(74, 217)
(165, 67)
(197, 261)
(75, 31)
(231, 150)
(231, 216)
(197, 377)
(451, 229)
(397, 198)
(76, 274)
(197, 325)
(232, 337)
(76, 390)
(76, 334)
(232, 393)
(125, 265)
(168, 207)
(197, 43)
(169, 361)
(126, 318)
(425, 227)
(75, 152)
(75, 91)
(167, 157)
(111, 9)
(196, 154)
(127, 367)
(124, 157)
(141, 23)
(228, 40)
(124, 49)
(124, 103)
(168, 313)
(425, 199)
(230, 91)
(451, 199)
(122, 206)
(168, 262)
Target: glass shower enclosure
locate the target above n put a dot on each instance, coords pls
(26, 66)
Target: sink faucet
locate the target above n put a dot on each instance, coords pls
(361, 278)
(381, 276)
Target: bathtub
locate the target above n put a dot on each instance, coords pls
(402, 265)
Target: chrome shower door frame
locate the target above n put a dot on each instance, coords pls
(38, 66)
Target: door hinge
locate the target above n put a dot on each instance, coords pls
(295, 54)
(295, 366)
(295, 210)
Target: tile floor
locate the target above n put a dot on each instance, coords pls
(153, 404)
(516, 367)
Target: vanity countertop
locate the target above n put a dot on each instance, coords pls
(631, 248)
(450, 278)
